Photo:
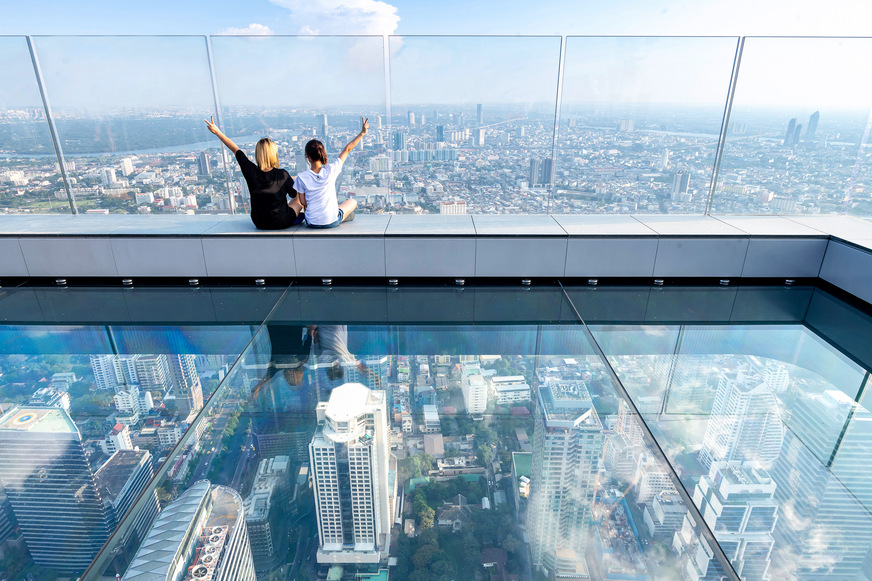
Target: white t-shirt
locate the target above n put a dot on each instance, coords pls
(322, 206)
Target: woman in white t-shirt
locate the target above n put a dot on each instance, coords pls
(317, 185)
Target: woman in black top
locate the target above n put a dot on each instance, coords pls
(269, 185)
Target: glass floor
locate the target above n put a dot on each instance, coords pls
(480, 433)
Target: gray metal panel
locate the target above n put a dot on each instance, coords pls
(11, 259)
(849, 269)
(61, 256)
(788, 257)
(431, 256)
(159, 256)
(340, 256)
(611, 256)
(258, 257)
(521, 257)
(700, 257)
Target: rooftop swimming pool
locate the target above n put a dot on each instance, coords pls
(444, 433)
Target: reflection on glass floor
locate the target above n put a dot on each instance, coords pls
(483, 433)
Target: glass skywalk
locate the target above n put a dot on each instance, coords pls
(434, 433)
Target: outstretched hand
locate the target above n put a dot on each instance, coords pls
(210, 125)
(364, 125)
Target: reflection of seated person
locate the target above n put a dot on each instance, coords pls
(331, 352)
(290, 349)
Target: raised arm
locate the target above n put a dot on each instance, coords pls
(364, 127)
(210, 124)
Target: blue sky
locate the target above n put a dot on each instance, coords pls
(632, 17)
(168, 73)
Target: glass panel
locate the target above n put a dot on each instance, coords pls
(799, 129)
(762, 424)
(639, 123)
(264, 92)
(446, 445)
(89, 409)
(30, 179)
(129, 113)
(468, 116)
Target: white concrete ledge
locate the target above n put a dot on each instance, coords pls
(527, 246)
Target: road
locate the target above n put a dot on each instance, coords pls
(248, 450)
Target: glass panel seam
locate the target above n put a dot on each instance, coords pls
(37, 70)
(213, 77)
(692, 509)
(725, 123)
(95, 570)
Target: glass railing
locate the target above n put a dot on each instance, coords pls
(472, 124)
(613, 433)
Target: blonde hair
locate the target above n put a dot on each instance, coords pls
(267, 154)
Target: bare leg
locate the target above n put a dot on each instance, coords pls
(296, 206)
(347, 208)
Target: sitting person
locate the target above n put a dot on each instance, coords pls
(317, 185)
(269, 185)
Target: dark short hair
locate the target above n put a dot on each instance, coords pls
(315, 151)
(335, 372)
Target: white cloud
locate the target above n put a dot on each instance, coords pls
(251, 29)
(341, 16)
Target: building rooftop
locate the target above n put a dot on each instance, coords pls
(36, 419)
(112, 476)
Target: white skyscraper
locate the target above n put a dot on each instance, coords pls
(735, 499)
(201, 535)
(350, 462)
(474, 388)
(126, 166)
(568, 445)
(744, 424)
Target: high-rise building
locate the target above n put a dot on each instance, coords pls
(269, 493)
(411, 119)
(680, 184)
(300, 163)
(440, 133)
(133, 400)
(811, 130)
(474, 388)
(535, 173)
(119, 482)
(46, 476)
(107, 177)
(350, 461)
(547, 171)
(110, 371)
(126, 166)
(664, 162)
(791, 132)
(400, 139)
(322, 126)
(832, 506)
(776, 376)
(204, 166)
(7, 520)
(567, 447)
(796, 134)
(736, 501)
(152, 372)
(189, 392)
(479, 114)
(201, 535)
(744, 423)
(478, 137)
